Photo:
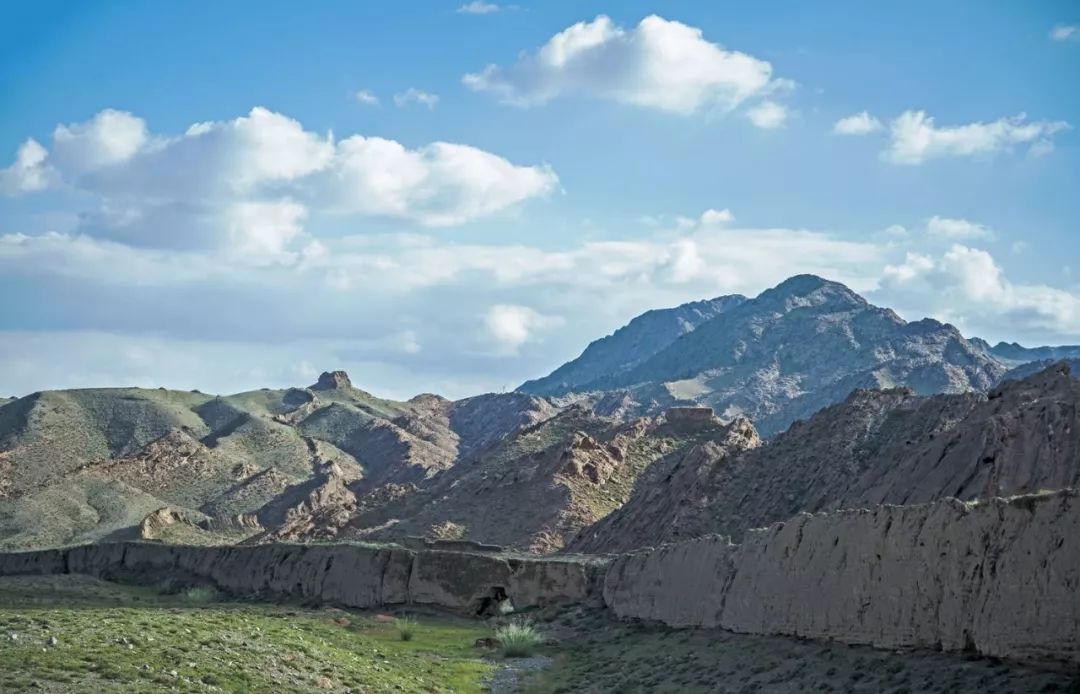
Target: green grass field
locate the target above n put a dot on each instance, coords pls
(70, 633)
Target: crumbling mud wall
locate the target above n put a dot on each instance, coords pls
(1000, 578)
(349, 575)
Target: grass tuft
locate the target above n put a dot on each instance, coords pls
(518, 639)
(406, 628)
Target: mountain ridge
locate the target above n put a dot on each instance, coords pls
(796, 348)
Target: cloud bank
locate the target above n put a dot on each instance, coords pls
(247, 184)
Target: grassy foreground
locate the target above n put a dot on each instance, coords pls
(73, 633)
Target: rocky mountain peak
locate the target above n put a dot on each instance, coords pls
(810, 290)
(332, 380)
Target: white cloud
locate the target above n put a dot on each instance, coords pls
(857, 124)
(261, 231)
(367, 97)
(768, 115)
(30, 172)
(511, 326)
(1065, 32)
(967, 287)
(248, 183)
(108, 138)
(478, 7)
(712, 216)
(413, 95)
(659, 64)
(944, 227)
(438, 185)
(915, 137)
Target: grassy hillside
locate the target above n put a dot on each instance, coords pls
(227, 460)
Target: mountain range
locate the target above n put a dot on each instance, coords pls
(819, 400)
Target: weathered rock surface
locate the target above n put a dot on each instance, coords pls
(533, 491)
(877, 447)
(1000, 578)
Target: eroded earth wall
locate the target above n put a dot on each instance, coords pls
(1000, 577)
(350, 575)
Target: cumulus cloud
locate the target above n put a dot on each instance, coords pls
(367, 97)
(248, 184)
(857, 124)
(412, 95)
(659, 64)
(712, 216)
(438, 185)
(916, 138)
(511, 326)
(108, 138)
(29, 173)
(967, 287)
(1065, 32)
(768, 115)
(478, 7)
(945, 227)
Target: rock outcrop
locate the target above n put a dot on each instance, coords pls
(998, 578)
(332, 380)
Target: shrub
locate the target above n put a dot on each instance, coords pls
(518, 639)
(406, 627)
(199, 594)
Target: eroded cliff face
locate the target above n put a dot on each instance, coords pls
(1000, 578)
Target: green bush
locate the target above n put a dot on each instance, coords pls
(519, 639)
(406, 627)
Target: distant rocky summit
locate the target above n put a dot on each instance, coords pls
(780, 357)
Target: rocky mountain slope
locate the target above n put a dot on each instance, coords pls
(792, 350)
(877, 447)
(532, 491)
(86, 464)
(630, 345)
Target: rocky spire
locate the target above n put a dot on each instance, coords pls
(332, 380)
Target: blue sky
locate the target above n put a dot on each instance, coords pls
(257, 248)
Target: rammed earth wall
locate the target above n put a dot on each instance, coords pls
(1000, 578)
